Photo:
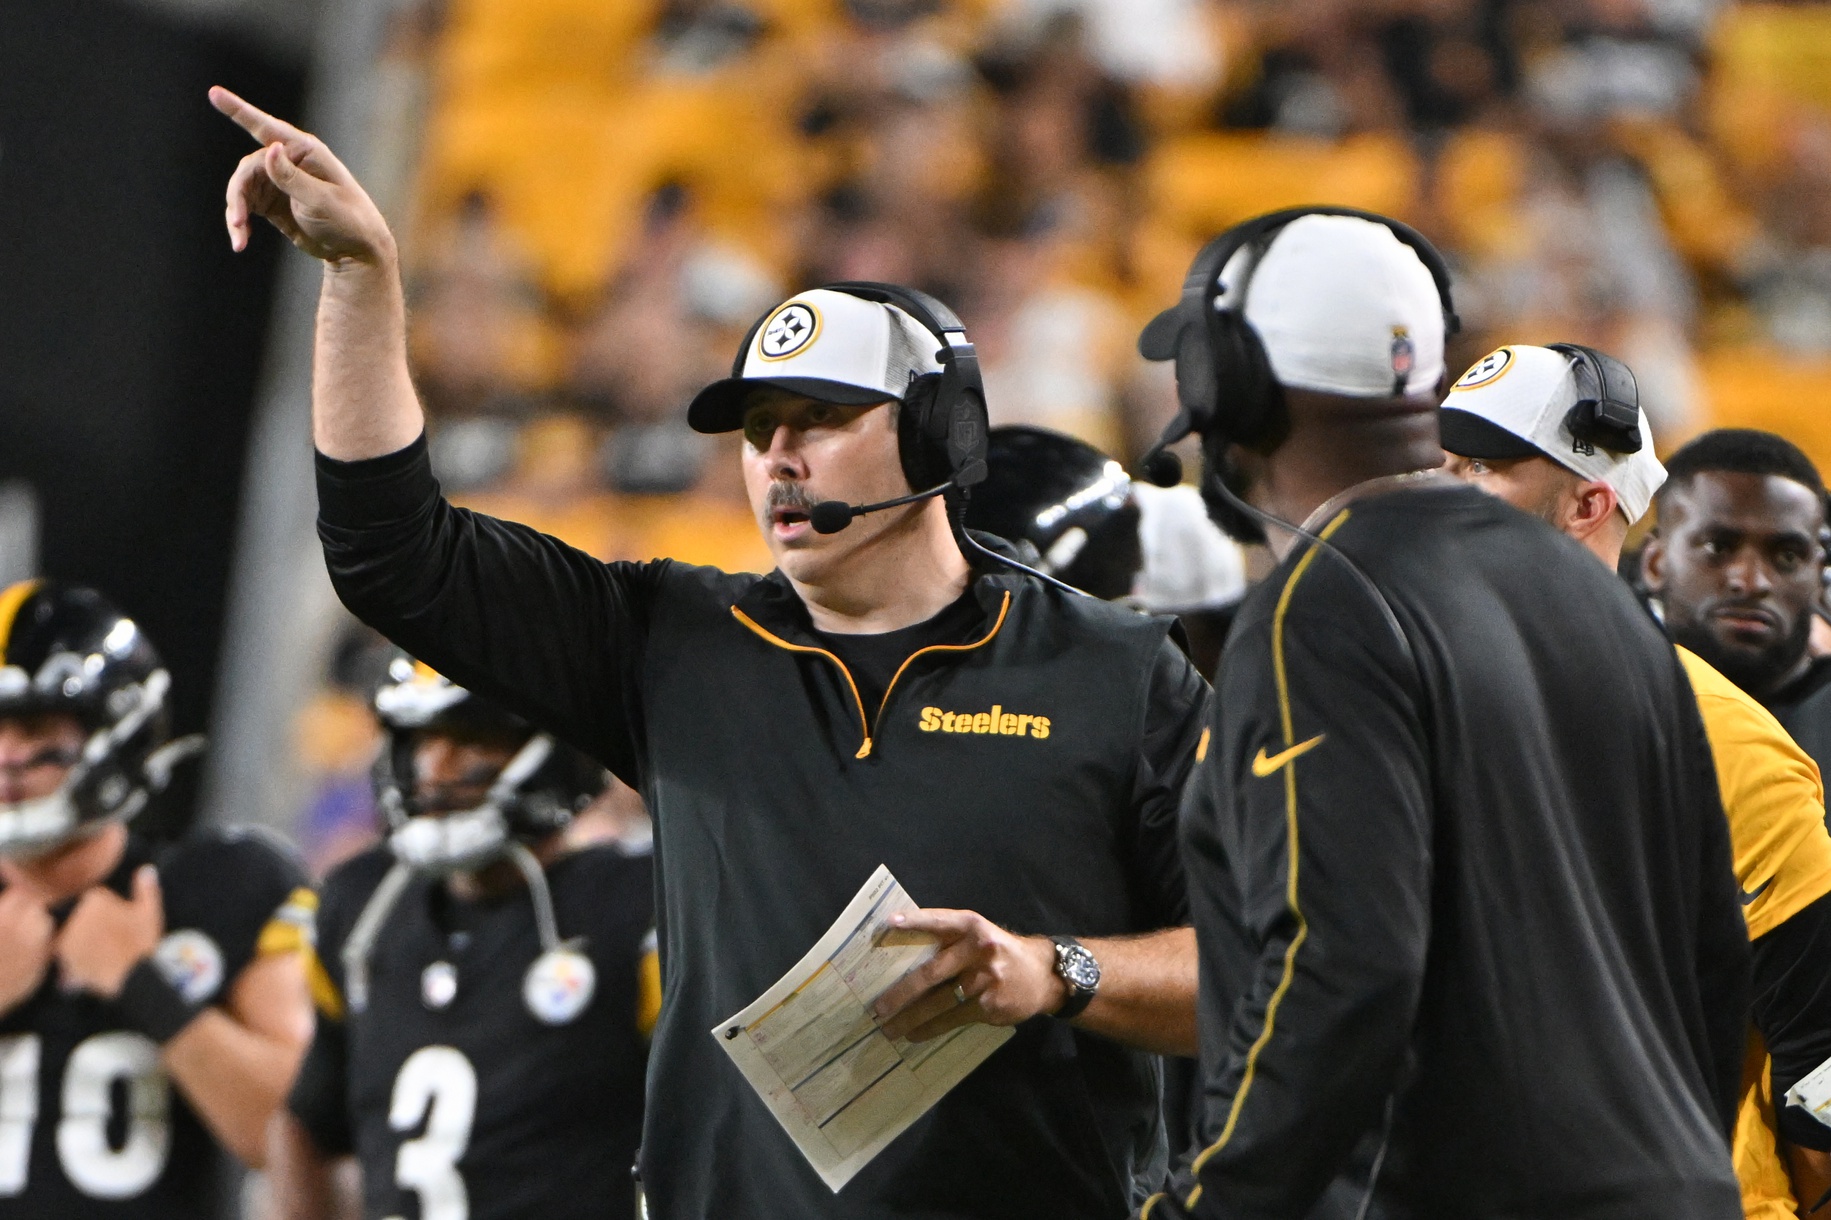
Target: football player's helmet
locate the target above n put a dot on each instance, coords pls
(64, 648)
(537, 792)
(1068, 507)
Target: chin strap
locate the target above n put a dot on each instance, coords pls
(362, 937)
(538, 890)
(361, 942)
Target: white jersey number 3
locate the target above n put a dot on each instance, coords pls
(436, 1084)
(93, 1164)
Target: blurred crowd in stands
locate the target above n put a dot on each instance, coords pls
(600, 197)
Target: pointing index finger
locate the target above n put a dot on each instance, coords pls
(251, 118)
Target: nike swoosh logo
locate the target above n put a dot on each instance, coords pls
(1749, 896)
(1263, 766)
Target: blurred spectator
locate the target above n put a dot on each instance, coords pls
(480, 339)
(336, 740)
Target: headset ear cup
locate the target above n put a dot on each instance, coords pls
(920, 437)
(1195, 381)
(1250, 400)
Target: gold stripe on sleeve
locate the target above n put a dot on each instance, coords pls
(1290, 888)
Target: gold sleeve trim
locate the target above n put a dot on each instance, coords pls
(1290, 887)
(290, 929)
(325, 996)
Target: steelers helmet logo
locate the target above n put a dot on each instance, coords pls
(1489, 368)
(559, 985)
(789, 330)
(191, 963)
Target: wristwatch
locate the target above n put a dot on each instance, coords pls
(1080, 970)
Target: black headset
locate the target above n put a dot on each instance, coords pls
(942, 424)
(1607, 411)
(1224, 379)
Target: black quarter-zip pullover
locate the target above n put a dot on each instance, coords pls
(1029, 771)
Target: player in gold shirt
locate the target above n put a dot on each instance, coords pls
(1557, 433)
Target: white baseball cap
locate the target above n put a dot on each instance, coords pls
(1516, 401)
(826, 345)
(1343, 307)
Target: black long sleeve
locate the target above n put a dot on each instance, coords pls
(1325, 829)
(497, 607)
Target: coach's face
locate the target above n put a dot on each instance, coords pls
(798, 452)
(1737, 566)
(1533, 485)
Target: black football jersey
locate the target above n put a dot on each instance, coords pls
(466, 1089)
(90, 1123)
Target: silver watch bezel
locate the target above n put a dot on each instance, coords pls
(1076, 965)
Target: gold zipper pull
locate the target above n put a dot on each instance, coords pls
(864, 751)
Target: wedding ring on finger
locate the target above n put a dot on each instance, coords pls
(959, 994)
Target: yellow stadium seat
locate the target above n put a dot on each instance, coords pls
(1759, 387)
(496, 43)
(1481, 174)
(1209, 182)
(1784, 47)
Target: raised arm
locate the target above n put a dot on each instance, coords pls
(497, 607)
(363, 404)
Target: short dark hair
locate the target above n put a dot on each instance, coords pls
(1742, 451)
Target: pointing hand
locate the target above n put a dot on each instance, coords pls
(301, 188)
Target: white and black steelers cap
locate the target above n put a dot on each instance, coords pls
(826, 345)
(1515, 402)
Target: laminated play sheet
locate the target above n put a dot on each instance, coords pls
(814, 1053)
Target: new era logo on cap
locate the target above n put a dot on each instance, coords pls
(826, 345)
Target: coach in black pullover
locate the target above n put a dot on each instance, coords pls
(1013, 753)
(1456, 857)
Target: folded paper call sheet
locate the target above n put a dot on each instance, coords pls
(811, 1050)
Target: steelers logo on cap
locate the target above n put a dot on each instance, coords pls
(790, 329)
(1490, 367)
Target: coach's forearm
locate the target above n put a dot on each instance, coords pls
(1147, 991)
(363, 404)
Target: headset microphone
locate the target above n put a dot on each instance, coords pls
(1161, 467)
(831, 516)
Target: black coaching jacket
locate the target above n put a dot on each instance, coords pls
(1462, 881)
(1030, 773)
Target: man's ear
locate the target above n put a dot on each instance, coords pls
(1653, 562)
(1590, 511)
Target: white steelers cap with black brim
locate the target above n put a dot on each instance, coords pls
(826, 345)
(1517, 402)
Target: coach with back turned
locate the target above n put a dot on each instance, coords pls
(792, 732)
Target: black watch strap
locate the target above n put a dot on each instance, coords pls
(1080, 993)
(149, 1003)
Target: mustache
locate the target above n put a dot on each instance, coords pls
(784, 494)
